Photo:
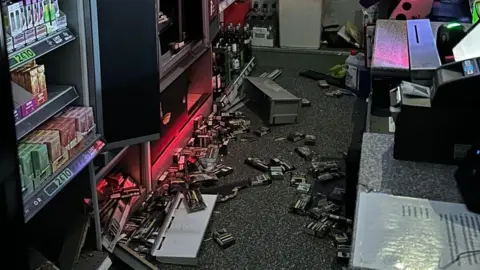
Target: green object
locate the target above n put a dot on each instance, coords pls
(475, 11)
(24, 56)
(51, 7)
(46, 11)
(453, 25)
(338, 71)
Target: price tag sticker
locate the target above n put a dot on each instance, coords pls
(23, 56)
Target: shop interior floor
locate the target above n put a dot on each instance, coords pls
(267, 235)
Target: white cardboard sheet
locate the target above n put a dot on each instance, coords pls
(409, 233)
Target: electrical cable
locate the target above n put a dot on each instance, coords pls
(459, 256)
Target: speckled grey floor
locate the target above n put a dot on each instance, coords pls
(268, 237)
(379, 171)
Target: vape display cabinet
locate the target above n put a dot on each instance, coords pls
(54, 121)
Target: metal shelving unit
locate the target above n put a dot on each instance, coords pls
(40, 48)
(59, 98)
(57, 181)
(64, 55)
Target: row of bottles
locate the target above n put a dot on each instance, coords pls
(232, 51)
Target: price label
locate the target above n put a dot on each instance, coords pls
(24, 56)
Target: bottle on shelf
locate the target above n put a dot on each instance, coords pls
(239, 41)
(216, 77)
(247, 44)
(221, 31)
(235, 60)
(229, 32)
(228, 64)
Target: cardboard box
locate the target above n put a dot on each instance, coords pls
(26, 166)
(18, 41)
(74, 143)
(90, 122)
(25, 99)
(41, 31)
(262, 37)
(41, 163)
(30, 36)
(42, 81)
(30, 81)
(42, 97)
(51, 138)
(80, 140)
(66, 129)
(79, 116)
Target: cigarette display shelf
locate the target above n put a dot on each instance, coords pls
(51, 186)
(60, 96)
(35, 50)
(173, 69)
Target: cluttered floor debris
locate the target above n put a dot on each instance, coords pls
(290, 215)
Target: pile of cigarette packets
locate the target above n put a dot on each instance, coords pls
(134, 218)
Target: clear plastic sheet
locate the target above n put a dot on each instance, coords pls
(393, 232)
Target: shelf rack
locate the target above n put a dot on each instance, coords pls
(57, 181)
(66, 55)
(59, 98)
(40, 48)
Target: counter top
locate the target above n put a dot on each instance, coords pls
(380, 172)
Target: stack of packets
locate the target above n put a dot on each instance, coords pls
(50, 146)
(321, 208)
(117, 195)
(275, 169)
(31, 79)
(30, 20)
(193, 167)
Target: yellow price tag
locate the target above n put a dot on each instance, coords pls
(24, 56)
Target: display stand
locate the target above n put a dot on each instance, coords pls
(60, 59)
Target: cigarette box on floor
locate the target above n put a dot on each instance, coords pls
(271, 101)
